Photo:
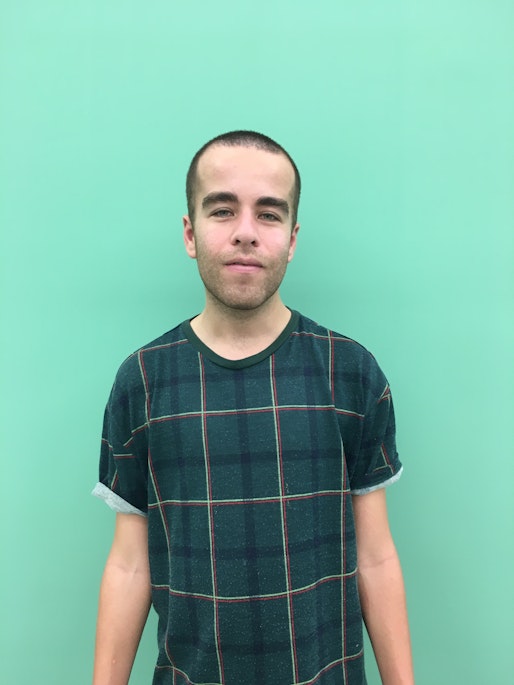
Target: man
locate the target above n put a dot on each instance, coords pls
(246, 452)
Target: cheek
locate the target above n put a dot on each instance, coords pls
(210, 241)
(208, 251)
(279, 241)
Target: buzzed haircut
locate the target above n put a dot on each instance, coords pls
(240, 139)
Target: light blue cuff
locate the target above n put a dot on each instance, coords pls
(384, 484)
(114, 501)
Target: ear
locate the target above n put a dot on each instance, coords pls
(189, 237)
(292, 242)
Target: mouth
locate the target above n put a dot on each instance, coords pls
(244, 265)
(241, 261)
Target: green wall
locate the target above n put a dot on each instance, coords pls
(399, 115)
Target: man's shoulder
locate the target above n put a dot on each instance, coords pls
(131, 367)
(340, 342)
(347, 359)
(172, 337)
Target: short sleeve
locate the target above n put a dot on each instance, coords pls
(123, 472)
(372, 457)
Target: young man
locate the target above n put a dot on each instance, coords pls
(246, 452)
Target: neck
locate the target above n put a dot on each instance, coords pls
(239, 333)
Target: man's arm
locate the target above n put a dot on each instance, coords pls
(381, 589)
(124, 601)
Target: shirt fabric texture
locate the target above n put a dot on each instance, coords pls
(245, 470)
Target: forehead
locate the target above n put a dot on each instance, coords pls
(244, 170)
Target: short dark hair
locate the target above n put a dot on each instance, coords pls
(240, 139)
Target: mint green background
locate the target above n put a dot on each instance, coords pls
(399, 115)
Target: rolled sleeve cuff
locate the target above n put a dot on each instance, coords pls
(383, 484)
(114, 501)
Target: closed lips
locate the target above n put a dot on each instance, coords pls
(244, 262)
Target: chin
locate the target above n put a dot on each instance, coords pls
(239, 302)
(243, 305)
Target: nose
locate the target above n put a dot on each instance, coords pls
(245, 230)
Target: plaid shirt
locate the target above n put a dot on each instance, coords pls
(245, 470)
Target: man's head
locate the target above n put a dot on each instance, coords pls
(241, 228)
(240, 139)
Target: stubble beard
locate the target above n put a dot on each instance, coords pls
(245, 296)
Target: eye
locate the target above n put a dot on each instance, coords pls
(268, 216)
(222, 213)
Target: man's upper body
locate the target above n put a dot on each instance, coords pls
(246, 452)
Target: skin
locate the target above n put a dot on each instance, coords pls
(381, 589)
(242, 239)
(124, 601)
(242, 245)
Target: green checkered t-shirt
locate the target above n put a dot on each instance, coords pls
(245, 470)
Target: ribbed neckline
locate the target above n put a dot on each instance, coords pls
(247, 361)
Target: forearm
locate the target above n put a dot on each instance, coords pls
(122, 613)
(384, 610)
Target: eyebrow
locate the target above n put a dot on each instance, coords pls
(213, 198)
(264, 201)
(274, 202)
